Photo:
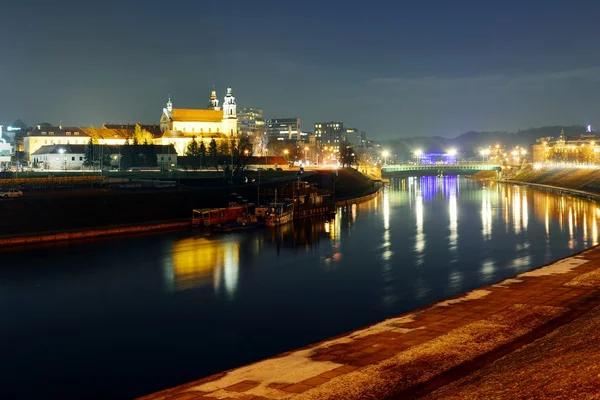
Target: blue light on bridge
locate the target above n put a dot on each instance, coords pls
(437, 159)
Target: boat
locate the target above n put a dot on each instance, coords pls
(218, 216)
(279, 214)
(242, 224)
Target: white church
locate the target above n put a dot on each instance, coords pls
(180, 125)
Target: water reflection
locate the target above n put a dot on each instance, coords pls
(200, 261)
(231, 299)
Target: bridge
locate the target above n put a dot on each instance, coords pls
(444, 169)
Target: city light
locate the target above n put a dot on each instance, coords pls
(418, 152)
(451, 152)
(385, 155)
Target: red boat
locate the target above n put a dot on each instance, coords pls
(218, 216)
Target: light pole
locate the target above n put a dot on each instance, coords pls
(385, 155)
(418, 154)
(452, 153)
(62, 152)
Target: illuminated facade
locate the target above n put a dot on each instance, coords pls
(329, 133)
(436, 158)
(581, 149)
(5, 150)
(251, 121)
(284, 128)
(179, 126)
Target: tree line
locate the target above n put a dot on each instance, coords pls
(226, 154)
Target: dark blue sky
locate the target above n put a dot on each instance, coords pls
(393, 69)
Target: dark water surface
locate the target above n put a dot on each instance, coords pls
(126, 317)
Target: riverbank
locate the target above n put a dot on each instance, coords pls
(97, 213)
(584, 183)
(478, 345)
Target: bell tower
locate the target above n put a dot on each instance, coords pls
(213, 103)
(169, 104)
(229, 106)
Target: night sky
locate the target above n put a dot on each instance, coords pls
(393, 69)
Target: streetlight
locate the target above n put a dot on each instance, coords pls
(285, 153)
(418, 154)
(305, 151)
(62, 152)
(452, 153)
(385, 155)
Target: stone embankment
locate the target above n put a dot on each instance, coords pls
(533, 336)
(573, 181)
(95, 213)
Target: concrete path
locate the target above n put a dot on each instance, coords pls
(500, 341)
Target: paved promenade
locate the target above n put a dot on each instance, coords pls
(534, 336)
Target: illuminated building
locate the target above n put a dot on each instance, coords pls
(179, 126)
(251, 121)
(355, 137)
(5, 150)
(329, 133)
(72, 156)
(580, 149)
(437, 158)
(284, 128)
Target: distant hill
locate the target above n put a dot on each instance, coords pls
(468, 143)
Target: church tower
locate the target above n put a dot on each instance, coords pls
(169, 104)
(213, 103)
(229, 106)
(230, 113)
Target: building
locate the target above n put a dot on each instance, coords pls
(179, 126)
(329, 133)
(251, 121)
(72, 156)
(355, 137)
(283, 128)
(6, 151)
(579, 149)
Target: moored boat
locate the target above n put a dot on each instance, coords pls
(216, 216)
(279, 214)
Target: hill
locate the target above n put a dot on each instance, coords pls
(468, 143)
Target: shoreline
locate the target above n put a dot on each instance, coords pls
(132, 229)
(421, 351)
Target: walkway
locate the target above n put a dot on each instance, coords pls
(483, 344)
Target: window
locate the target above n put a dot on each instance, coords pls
(80, 158)
(68, 133)
(72, 158)
(75, 133)
(43, 133)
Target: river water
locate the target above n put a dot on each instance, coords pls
(124, 317)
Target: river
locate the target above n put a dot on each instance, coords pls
(124, 317)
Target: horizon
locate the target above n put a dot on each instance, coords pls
(420, 69)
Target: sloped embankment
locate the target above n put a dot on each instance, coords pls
(570, 178)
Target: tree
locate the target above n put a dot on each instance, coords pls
(149, 158)
(89, 157)
(242, 153)
(127, 155)
(192, 149)
(224, 149)
(347, 154)
(213, 153)
(141, 135)
(202, 153)
(93, 134)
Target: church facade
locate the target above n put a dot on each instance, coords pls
(179, 126)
